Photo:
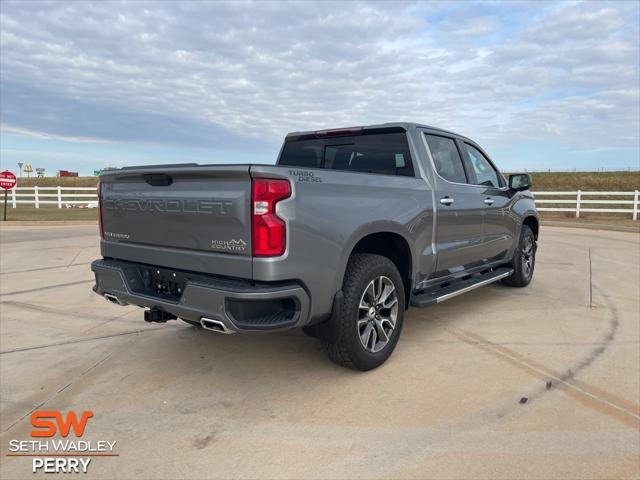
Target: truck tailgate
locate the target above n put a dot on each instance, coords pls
(200, 214)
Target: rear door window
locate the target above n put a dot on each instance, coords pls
(306, 153)
(446, 158)
(481, 172)
(384, 153)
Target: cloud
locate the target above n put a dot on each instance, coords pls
(475, 27)
(48, 136)
(238, 75)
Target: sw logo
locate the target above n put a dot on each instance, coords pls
(64, 455)
(44, 427)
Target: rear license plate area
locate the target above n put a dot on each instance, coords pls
(161, 283)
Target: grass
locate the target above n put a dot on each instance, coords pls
(58, 181)
(588, 181)
(543, 181)
(28, 213)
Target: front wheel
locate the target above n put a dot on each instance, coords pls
(524, 259)
(372, 312)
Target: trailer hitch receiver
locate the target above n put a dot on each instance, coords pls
(158, 315)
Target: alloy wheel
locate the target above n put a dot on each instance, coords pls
(377, 314)
(527, 256)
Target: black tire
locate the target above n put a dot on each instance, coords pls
(524, 260)
(354, 322)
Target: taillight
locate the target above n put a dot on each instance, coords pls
(269, 234)
(99, 192)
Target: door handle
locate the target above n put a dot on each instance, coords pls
(488, 201)
(446, 201)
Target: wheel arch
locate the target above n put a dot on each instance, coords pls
(390, 244)
(533, 223)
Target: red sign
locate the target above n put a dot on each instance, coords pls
(7, 180)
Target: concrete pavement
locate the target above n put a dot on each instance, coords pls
(541, 382)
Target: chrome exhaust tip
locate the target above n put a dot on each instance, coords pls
(113, 299)
(214, 325)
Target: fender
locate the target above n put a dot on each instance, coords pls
(524, 206)
(382, 226)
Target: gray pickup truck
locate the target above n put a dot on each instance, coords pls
(349, 228)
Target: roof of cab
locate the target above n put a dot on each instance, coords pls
(404, 125)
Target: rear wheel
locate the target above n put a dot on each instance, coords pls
(371, 314)
(524, 259)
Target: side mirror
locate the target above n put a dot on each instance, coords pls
(520, 181)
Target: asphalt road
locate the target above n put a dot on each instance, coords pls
(542, 382)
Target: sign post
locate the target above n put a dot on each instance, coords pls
(7, 182)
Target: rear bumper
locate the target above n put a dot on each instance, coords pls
(241, 305)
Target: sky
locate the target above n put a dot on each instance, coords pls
(86, 85)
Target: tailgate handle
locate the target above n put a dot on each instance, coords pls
(158, 179)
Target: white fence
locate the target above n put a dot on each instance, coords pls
(627, 202)
(60, 196)
(630, 204)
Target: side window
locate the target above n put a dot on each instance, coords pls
(446, 158)
(480, 169)
(302, 154)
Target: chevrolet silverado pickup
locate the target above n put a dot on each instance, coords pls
(348, 230)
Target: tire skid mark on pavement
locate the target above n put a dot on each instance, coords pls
(45, 268)
(79, 340)
(60, 390)
(589, 235)
(57, 311)
(21, 245)
(572, 246)
(591, 396)
(80, 250)
(117, 318)
(48, 287)
(22, 241)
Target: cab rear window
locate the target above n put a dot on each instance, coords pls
(382, 153)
